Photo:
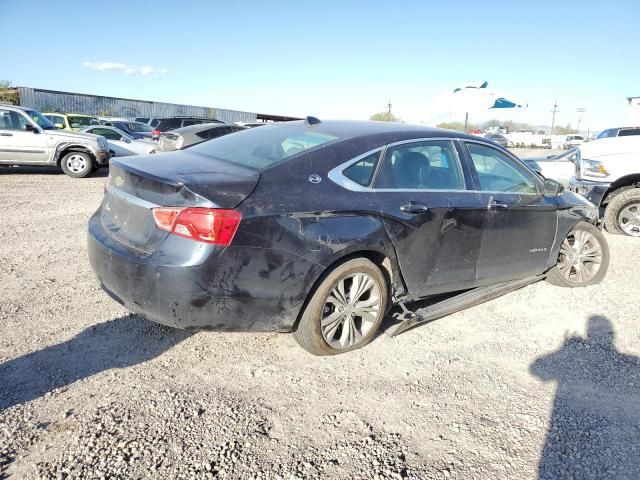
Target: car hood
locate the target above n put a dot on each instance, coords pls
(62, 134)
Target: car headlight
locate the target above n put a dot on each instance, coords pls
(593, 168)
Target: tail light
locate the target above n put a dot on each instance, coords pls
(156, 134)
(208, 225)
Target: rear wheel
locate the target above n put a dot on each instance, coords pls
(77, 164)
(623, 213)
(346, 309)
(583, 259)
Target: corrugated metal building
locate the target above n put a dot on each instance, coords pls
(52, 100)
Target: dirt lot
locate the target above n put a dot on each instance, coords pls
(541, 383)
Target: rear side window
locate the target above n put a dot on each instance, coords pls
(154, 123)
(259, 148)
(426, 165)
(186, 123)
(499, 173)
(169, 124)
(362, 171)
(627, 132)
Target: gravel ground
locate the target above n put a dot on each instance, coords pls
(540, 383)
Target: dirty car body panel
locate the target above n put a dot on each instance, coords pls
(311, 196)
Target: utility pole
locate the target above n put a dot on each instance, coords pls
(553, 117)
(389, 111)
(580, 111)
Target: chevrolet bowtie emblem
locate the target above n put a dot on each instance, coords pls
(118, 181)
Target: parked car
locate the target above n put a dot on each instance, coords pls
(561, 167)
(619, 132)
(318, 227)
(194, 134)
(71, 121)
(609, 176)
(173, 123)
(27, 137)
(498, 138)
(573, 141)
(137, 130)
(120, 143)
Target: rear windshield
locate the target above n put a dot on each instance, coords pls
(259, 148)
(138, 127)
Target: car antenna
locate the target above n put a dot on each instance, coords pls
(312, 120)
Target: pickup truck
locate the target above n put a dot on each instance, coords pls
(27, 137)
(608, 174)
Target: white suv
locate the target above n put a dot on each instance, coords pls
(608, 175)
(28, 138)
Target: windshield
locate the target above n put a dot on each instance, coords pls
(40, 119)
(259, 148)
(138, 127)
(81, 121)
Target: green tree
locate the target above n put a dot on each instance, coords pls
(385, 117)
(7, 94)
(459, 126)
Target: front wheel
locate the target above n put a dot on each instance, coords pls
(346, 309)
(583, 259)
(77, 164)
(623, 213)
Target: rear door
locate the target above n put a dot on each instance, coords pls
(519, 224)
(431, 214)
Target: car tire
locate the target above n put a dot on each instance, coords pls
(583, 258)
(77, 164)
(345, 329)
(617, 214)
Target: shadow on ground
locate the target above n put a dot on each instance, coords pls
(594, 430)
(118, 343)
(36, 170)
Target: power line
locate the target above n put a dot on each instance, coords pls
(553, 117)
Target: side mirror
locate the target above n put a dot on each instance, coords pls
(31, 128)
(552, 188)
(126, 140)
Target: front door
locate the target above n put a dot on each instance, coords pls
(519, 222)
(17, 144)
(431, 214)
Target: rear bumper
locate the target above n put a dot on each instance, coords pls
(208, 287)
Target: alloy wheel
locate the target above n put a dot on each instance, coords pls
(350, 311)
(629, 219)
(580, 257)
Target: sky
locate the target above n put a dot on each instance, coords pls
(334, 58)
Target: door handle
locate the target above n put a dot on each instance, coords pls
(494, 205)
(413, 208)
(6, 134)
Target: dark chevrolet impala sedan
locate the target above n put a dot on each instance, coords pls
(318, 227)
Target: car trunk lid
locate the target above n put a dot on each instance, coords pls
(178, 179)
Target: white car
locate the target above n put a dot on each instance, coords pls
(609, 176)
(120, 143)
(572, 141)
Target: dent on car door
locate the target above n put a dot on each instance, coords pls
(431, 215)
(519, 224)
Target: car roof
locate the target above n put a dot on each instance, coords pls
(361, 128)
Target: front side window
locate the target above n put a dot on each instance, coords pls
(259, 148)
(106, 133)
(426, 165)
(499, 173)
